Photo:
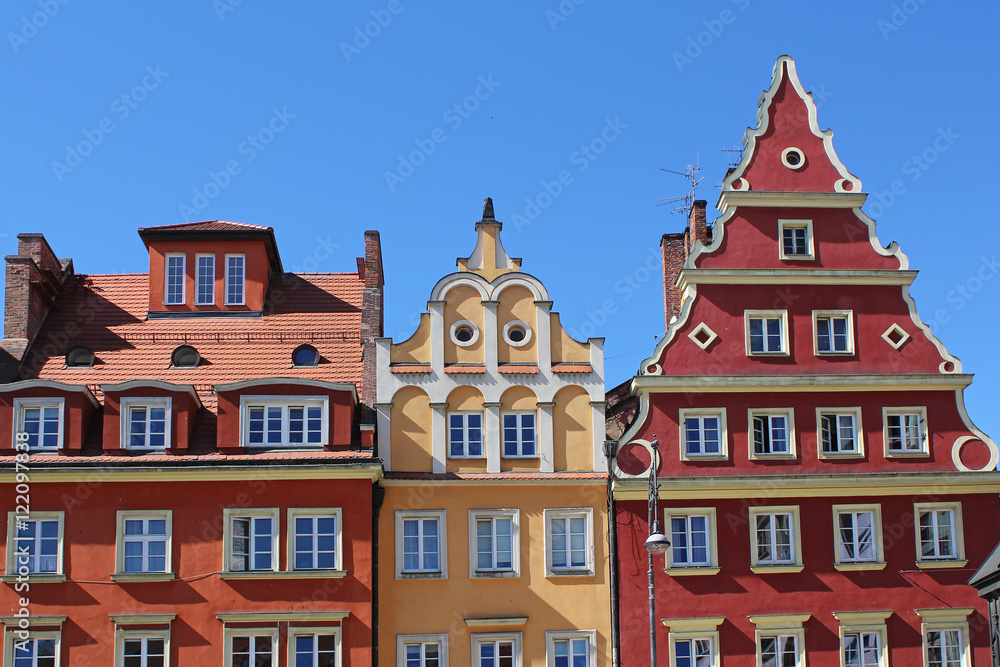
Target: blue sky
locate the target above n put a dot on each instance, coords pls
(120, 115)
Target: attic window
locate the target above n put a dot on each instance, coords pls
(464, 333)
(79, 357)
(185, 356)
(305, 355)
(517, 333)
(792, 158)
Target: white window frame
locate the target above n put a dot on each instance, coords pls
(942, 620)
(520, 439)
(921, 413)
(243, 287)
(231, 513)
(12, 638)
(552, 637)
(440, 639)
(810, 243)
(789, 415)
(125, 417)
(20, 404)
(316, 512)
(793, 565)
(864, 622)
(294, 632)
(230, 633)
(682, 569)
(124, 634)
(198, 279)
(465, 433)
(507, 513)
(831, 315)
(782, 316)
(587, 513)
(958, 535)
(284, 402)
(12, 566)
(166, 279)
(859, 432)
(122, 517)
(694, 629)
(701, 413)
(422, 515)
(781, 625)
(878, 563)
(479, 638)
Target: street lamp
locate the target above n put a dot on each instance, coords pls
(656, 544)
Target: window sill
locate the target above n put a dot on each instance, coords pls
(940, 564)
(704, 457)
(143, 576)
(798, 258)
(767, 354)
(694, 570)
(285, 574)
(855, 567)
(504, 574)
(33, 578)
(532, 457)
(775, 569)
(893, 454)
(836, 353)
(569, 574)
(833, 456)
(467, 458)
(773, 457)
(406, 576)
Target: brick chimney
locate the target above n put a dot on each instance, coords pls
(697, 227)
(676, 248)
(34, 278)
(371, 315)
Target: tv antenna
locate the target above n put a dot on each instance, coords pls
(686, 201)
(736, 153)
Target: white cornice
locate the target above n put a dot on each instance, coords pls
(731, 198)
(158, 384)
(692, 276)
(50, 384)
(646, 384)
(304, 382)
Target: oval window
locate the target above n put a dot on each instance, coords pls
(305, 355)
(464, 333)
(185, 356)
(79, 357)
(792, 158)
(517, 333)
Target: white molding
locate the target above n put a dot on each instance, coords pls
(403, 640)
(703, 329)
(548, 514)
(720, 414)
(39, 402)
(50, 384)
(122, 515)
(514, 515)
(338, 517)
(197, 271)
(301, 382)
(225, 281)
(166, 278)
(125, 422)
(442, 519)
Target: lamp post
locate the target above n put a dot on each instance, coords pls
(656, 544)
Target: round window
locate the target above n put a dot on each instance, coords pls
(792, 158)
(464, 333)
(185, 356)
(79, 357)
(516, 333)
(305, 355)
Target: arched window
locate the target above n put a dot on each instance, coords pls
(305, 355)
(185, 356)
(79, 357)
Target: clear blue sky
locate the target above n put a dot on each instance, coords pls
(676, 81)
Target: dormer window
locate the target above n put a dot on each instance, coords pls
(173, 292)
(185, 356)
(79, 357)
(205, 281)
(305, 355)
(284, 421)
(235, 280)
(39, 423)
(146, 423)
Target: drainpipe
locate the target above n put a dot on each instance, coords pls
(378, 497)
(609, 455)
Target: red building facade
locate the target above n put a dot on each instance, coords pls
(824, 491)
(198, 475)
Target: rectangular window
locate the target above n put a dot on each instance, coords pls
(249, 648)
(420, 544)
(839, 431)
(703, 433)
(465, 435)
(313, 649)
(905, 431)
(496, 650)
(315, 539)
(146, 423)
(569, 541)
(689, 540)
(251, 540)
(494, 548)
(41, 420)
(35, 546)
(145, 542)
(174, 272)
(235, 280)
(766, 332)
(937, 534)
(772, 433)
(519, 435)
(796, 239)
(776, 541)
(40, 650)
(834, 332)
(779, 650)
(570, 649)
(144, 652)
(693, 653)
(285, 421)
(421, 650)
(856, 536)
(862, 649)
(205, 280)
(944, 648)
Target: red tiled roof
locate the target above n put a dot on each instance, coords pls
(410, 368)
(465, 368)
(529, 369)
(208, 226)
(572, 368)
(207, 458)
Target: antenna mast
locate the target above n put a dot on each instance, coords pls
(685, 201)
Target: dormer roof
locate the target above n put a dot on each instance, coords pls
(215, 230)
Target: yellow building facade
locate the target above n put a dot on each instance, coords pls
(493, 547)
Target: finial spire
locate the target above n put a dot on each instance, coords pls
(488, 209)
